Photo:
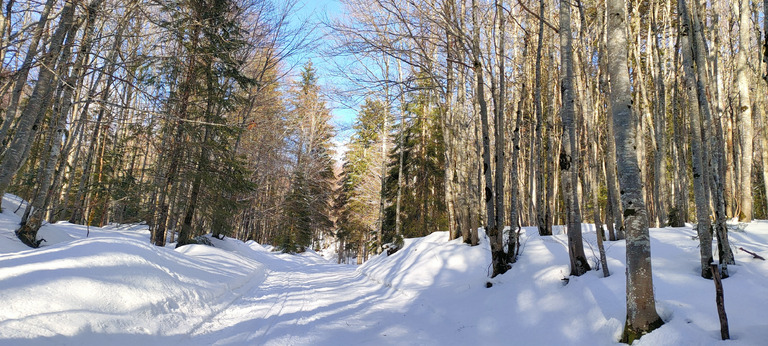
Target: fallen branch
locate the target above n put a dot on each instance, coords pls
(754, 255)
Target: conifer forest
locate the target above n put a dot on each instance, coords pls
(356, 131)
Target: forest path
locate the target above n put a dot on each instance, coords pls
(302, 302)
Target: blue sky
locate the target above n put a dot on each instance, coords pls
(315, 10)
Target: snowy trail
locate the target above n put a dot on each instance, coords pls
(317, 304)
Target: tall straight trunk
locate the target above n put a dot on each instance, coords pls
(35, 213)
(701, 194)
(382, 179)
(660, 126)
(514, 210)
(642, 317)
(401, 159)
(202, 166)
(569, 159)
(499, 161)
(26, 66)
(449, 135)
(484, 127)
(765, 101)
(681, 172)
(712, 153)
(745, 111)
(467, 198)
(612, 182)
(591, 189)
(186, 227)
(542, 215)
(34, 112)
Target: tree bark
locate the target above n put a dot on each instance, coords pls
(542, 215)
(35, 213)
(26, 66)
(499, 146)
(569, 159)
(33, 114)
(745, 111)
(713, 152)
(701, 194)
(642, 317)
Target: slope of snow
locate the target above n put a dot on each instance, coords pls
(114, 288)
(534, 304)
(433, 263)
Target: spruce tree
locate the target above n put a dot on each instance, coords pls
(307, 207)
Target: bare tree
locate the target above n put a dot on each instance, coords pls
(642, 317)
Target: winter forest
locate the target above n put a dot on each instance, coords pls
(419, 172)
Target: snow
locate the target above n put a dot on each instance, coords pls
(114, 287)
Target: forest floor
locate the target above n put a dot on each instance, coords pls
(114, 288)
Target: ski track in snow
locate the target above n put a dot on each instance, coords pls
(305, 304)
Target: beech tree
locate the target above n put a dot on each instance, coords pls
(642, 317)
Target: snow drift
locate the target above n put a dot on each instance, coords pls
(115, 288)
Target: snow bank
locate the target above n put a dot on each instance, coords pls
(432, 262)
(112, 287)
(536, 302)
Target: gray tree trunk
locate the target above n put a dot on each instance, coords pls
(745, 111)
(701, 194)
(642, 317)
(660, 126)
(23, 73)
(542, 215)
(499, 159)
(490, 224)
(712, 154)
(614, 202)
(34, 112)
(569, 159)
(34, 215)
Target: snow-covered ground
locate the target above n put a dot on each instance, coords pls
(114, 288)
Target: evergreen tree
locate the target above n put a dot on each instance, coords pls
(423, 209)
(307, 207)
(357, 202)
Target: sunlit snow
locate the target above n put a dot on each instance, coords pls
(114, 288)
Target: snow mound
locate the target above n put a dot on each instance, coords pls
(432, 262)
(109, 286)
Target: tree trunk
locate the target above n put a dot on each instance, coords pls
(660, 127)
(499, 160)
(569, 159)
(745, 111)
(542, 216)
(642, 317)
(26, 66)
(33, 114)
(700, 192)
(712, 153)
(34, 215)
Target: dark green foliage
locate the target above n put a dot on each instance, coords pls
(675, 218)
(423, 209)
(357, 203)
(307, 207)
